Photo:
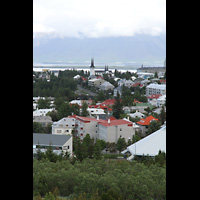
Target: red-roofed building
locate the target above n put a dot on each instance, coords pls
(152, 99)
(83, 78)
(154, 96)
(144, 123)
(163, 81)
(108, 102)
(135, 101)
(109, 130)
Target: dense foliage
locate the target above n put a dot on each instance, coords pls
(63, 85)
(99, 179)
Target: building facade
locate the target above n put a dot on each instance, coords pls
(64, 126)
(155, 88)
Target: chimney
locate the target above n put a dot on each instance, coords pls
(109, 121)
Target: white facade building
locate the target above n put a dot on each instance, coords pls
(63, 126)
(161, 100)
(41, 112)
(155, 88)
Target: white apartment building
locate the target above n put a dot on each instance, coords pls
(155, 88)
(161, 100)
(63, 126)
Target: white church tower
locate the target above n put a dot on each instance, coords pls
(92, 69)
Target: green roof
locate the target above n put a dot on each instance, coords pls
(145, 104)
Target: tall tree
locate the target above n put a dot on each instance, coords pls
(84, 109)
(121, 144)
(97, 150)
(117, 107)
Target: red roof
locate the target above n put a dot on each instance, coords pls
(135, 101)
(83, 78)
(108, 102)
(147, 120)
(113, 121)
(116, 122)
(100, 106)
(73, 116)
(99, 77)
(154, 96)
(136, 84)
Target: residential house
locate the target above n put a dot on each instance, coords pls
(144, 124)
(43, 120)
(161, 100)
(108, 102)
(96, 111)
(127, 83)
(41, 112)
(95, 82)
(58, 143)
(139, 106)
(137, 114)
(119, 90)
(152, 99)
(106, 86)
(77, 77)
(64, 126)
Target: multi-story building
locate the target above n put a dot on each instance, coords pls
(63, 126)
(109, 130)
(155, 88)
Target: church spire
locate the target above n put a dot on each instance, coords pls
(92, 63)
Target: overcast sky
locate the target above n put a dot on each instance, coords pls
(98, 18)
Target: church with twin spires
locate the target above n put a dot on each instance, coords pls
(98, 72)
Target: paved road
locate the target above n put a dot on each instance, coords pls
(85, 91)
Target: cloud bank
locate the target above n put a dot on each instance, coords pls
(98, 18)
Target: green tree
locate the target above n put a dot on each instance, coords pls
(101, 96)
(89, 143)
(97, 150)
(43, 103)
(37, 127)
(39, 154)
(84, 109)
(54, 115)
(117, 107)
(64, 110)
(153, 126)
(50, 155)
(121, 144)
(78, 149)
(162, 115)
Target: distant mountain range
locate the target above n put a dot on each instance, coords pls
(139, 49)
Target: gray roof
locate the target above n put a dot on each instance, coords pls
(46, 139)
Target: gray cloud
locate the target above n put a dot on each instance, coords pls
(94, 18)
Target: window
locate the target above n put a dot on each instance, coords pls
(59, 131)
(120, 129)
